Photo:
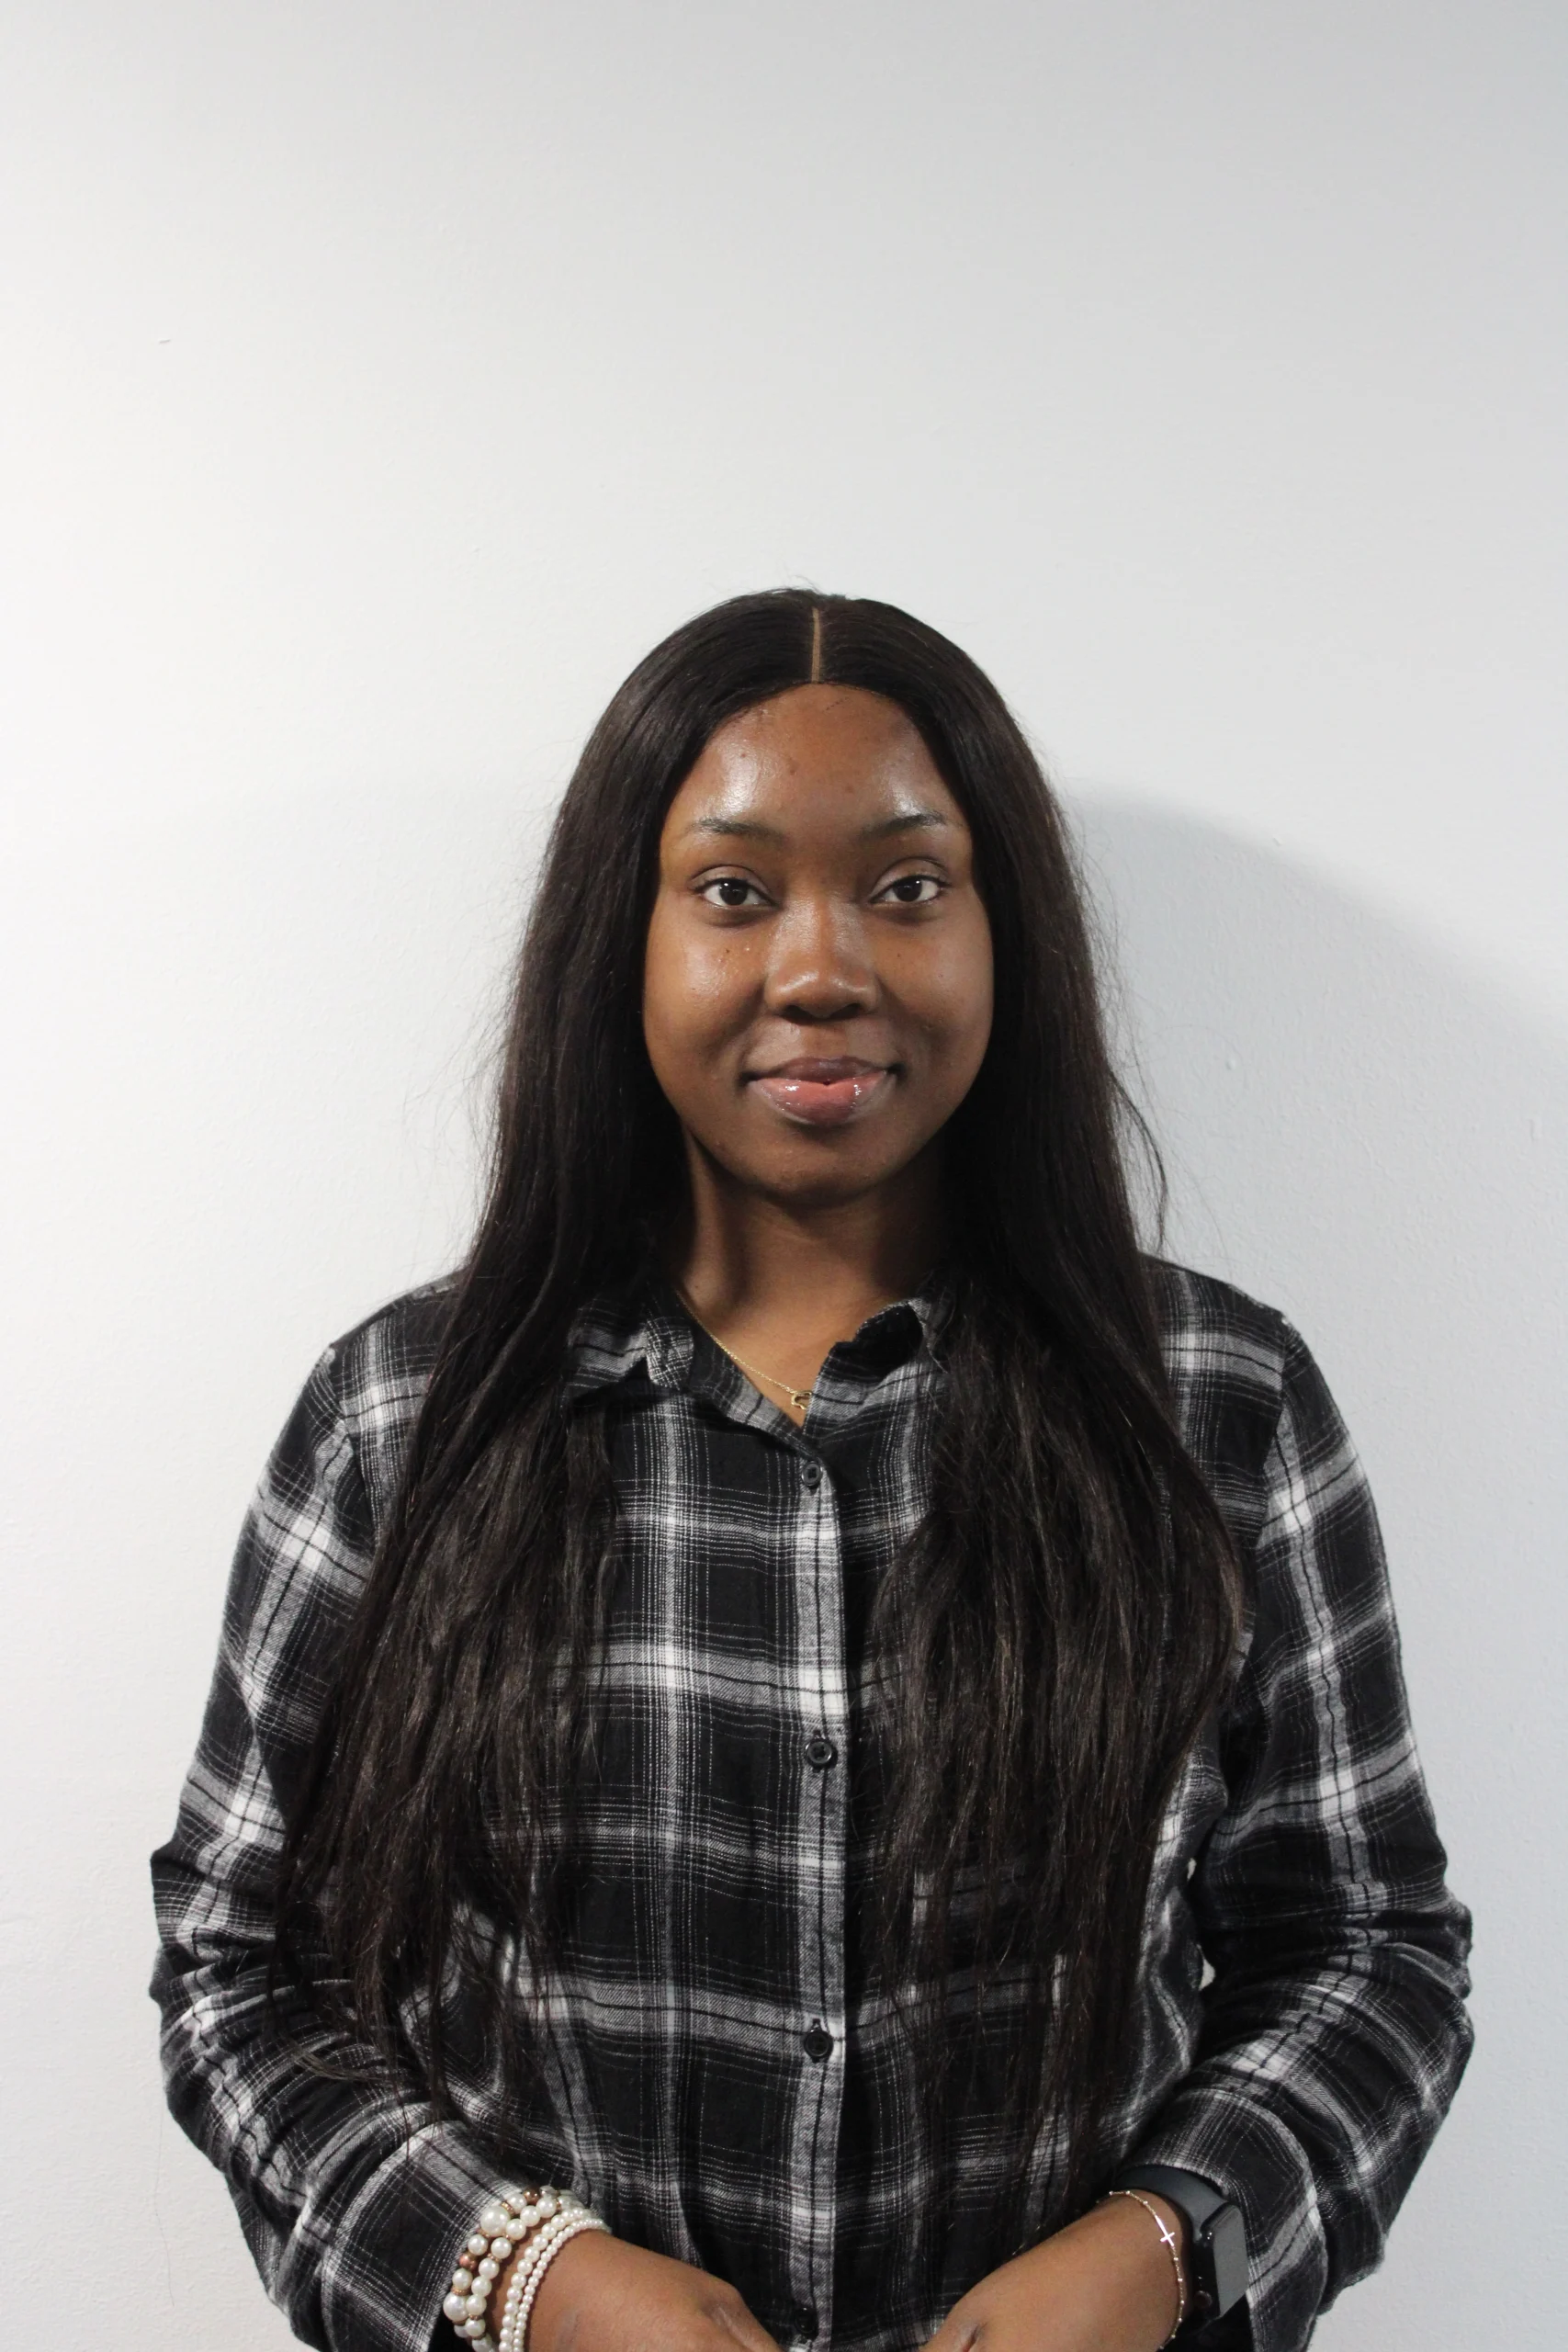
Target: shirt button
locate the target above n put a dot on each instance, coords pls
(817, 2041)
(820, 1752)
(803, 2318)
(811, 1476)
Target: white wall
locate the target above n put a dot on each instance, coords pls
(377, 383)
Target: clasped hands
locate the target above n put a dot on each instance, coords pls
(1104, 2284)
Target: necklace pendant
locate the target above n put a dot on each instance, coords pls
(800, 1399)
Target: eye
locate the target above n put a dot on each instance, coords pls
(731, 890)
(912, 890)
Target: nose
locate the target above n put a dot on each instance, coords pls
(819, 969)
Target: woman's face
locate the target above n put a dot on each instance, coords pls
(817, 997)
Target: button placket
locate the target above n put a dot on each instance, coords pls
(823, 1826)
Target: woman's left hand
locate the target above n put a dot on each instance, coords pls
(1105, 2283)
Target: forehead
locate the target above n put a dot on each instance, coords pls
(813, 755)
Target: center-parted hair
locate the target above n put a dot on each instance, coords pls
(1064, 1617)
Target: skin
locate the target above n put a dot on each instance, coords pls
(818, 918)
(816, 1004)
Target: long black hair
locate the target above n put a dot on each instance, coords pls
(1064, 1617)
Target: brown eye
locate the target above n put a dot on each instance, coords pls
(913, 890)
(730, 890)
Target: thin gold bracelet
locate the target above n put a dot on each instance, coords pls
(1172, 2246)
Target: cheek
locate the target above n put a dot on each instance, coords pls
(951, 996)
(692, 990)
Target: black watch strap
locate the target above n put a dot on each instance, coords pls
(1216, 2234)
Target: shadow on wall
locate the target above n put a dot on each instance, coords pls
(1372, 1138)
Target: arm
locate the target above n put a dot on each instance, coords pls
(352, 2195)
(1334, 2030)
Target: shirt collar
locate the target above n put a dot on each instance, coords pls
(636, 1336)
(640, 1338)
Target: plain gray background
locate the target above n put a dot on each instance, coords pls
(377, 384)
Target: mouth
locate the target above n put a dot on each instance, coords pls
(823, 1093)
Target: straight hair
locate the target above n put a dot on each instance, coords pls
(1064, 1614)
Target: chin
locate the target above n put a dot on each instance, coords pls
(818, 1179)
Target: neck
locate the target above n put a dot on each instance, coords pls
(818, 1271)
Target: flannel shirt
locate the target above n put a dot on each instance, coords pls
(720, 2076)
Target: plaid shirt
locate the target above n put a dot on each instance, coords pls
(722, 2081)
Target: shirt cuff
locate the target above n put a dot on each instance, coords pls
(1253, 2160)
(391, 2267)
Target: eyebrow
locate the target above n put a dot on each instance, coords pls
(908, 820)
(745, 828)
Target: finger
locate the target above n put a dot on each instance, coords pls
(956, 2334)
(745, 2327)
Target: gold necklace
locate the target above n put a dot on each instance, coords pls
(799, 1398)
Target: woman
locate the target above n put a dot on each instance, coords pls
(813, 1697)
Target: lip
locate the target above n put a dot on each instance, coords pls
(819, 1091)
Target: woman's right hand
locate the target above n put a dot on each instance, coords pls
(601, 2295)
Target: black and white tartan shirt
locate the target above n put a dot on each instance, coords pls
(722, 2084)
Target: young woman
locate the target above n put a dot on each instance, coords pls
(812, 1698)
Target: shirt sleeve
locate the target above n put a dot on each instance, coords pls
(1335, 2031)
(354, 2197)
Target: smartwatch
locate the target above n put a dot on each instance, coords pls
(1216, 2236)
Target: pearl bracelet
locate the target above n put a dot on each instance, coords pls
(533, 2254)
(530, 2273)
(501, 2228)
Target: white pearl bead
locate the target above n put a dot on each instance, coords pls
(463, 2279)
(478, 2245)
(472, 2327)
(456, 2308)
(493, 2218)
(547, 2205)
(500, 2247)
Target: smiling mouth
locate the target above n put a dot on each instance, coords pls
(822, 1093)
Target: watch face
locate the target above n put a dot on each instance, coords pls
(1226, 2236)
